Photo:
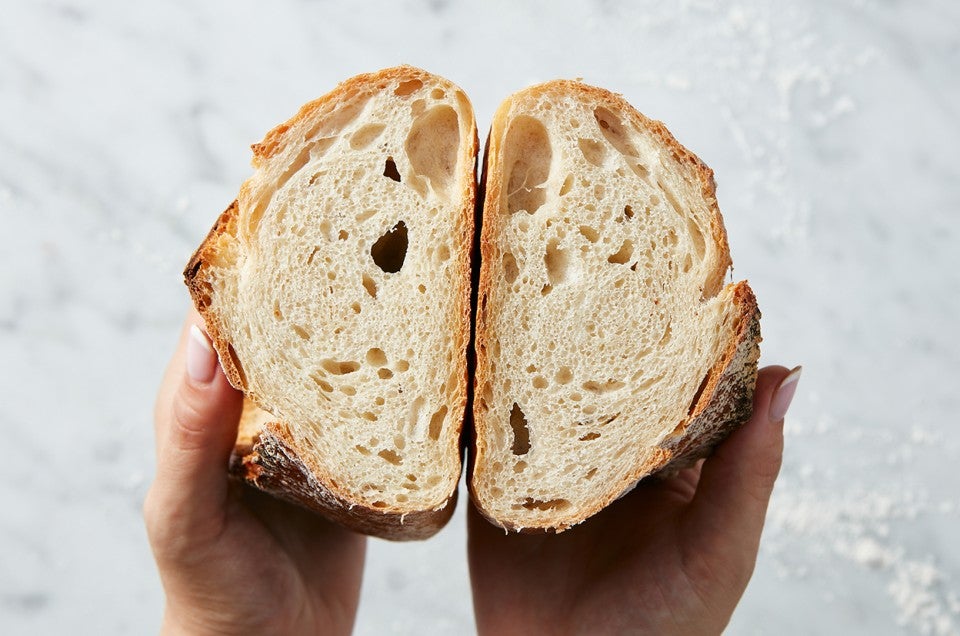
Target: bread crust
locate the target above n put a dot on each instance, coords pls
(726, 399)
(266, 455)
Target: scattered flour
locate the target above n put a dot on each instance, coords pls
(812, 520)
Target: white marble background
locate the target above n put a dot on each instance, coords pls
(833, 128)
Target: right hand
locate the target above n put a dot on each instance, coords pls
(233, 560)
(672, 557)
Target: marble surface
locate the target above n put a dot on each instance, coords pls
(833, 129)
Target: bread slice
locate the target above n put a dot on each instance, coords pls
(336, 289)
(608, 347)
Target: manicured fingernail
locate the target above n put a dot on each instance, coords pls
(201, 360)
(783, 395)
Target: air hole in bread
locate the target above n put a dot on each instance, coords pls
(323, 385)
(391, 457)
(646, 384)
(370, 417)
(442, 254)
(521, 434)
(628, 211)
(528, 156)
(589, 233)
(590, 473)
(623, 255)
(564, 375)
(589, 437)
(413, 417)
(402, 365)
(339, 367)
(366, 214)
(300, 331)
(437, 93)
(390, 170)
(376, 357)
(277, 314)
(405, 89)
(550, 505)
(355, 307)
(365, 136)
(546, 289)
(363, 450)
(603, 387)
(348, 390)
(343, 235)
(556, 261)
(370, 286)
(614, 132)
(641, 171)
(667, 335)
(390, 250)
(698, 394)
(432, 146)
(567, 185)
(593, 151)
(436, 423)
(687, 263)
(540, 382)
(671, 199)
(696, 235)
(510, 269)
(379, 504)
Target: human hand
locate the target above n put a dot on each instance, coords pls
(233, 560)
(672, 557)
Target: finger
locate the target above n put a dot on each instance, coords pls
(196, 426)
(735, 483)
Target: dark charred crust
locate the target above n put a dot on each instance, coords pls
(273, 466)
(727, 400)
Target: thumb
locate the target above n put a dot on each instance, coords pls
(730, 505)
(196, 427)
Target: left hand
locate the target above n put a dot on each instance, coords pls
(233, 560)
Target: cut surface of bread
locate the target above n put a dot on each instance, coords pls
(608, 347)
(336, 292)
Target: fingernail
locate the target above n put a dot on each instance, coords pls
(201, 359)
(783, 395)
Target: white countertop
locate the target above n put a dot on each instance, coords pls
(833, 130)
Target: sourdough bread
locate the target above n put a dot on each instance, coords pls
(336, 292)
(608, 347)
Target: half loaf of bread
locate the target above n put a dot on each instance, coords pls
(608, 347)
(336, 290)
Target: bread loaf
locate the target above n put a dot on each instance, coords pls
(336, 292)
(608, 347)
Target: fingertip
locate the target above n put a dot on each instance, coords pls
(201, 360)
(783, 395)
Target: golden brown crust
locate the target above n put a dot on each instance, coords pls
(266, 455)
(725, 401)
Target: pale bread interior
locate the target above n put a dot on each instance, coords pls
(604, 255)
(344, 295)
